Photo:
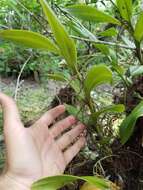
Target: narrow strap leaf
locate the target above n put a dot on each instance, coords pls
(88, 13)
(29, 39)
(65, 43)
(127, 127)
(139, 28)
(125, 8)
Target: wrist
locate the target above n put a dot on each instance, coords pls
(9, 182)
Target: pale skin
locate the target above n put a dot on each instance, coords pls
(39, 151)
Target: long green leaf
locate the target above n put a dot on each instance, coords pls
(109, 32)
(127, 127)
(88, 13)
(110, 109)
(125, 8)
(81, 30)
(97, 75)
(29, 39)
(139, 28)
(65, 43)
(56, 182)
(58, 77)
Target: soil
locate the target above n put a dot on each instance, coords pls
(126, 167)
(129, 164)
(65, 95)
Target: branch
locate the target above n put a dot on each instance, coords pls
(19, 76)
(34, 16)
(93, 38)
(104, 42)
(3, 26)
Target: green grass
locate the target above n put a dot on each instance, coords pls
(32, 103)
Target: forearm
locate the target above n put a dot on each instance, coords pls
(9, 183)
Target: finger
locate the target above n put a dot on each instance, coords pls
(70, 136)
(11, 114)
(70, 153)
(49, 117)
(62, 125)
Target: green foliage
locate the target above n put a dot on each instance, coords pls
(109, 32)
(125, 8)
(127, 127)
(29, 39)
(138, 28)
(65, 43)
(97, 75)
(78, 28)
(19, 14)
(58, 77)
(78, 113)
(56, 182)
(88, 13)
(103, 48)
(108, 109)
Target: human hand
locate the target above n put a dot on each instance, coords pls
(38, 151)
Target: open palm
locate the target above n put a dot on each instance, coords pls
(39, 151)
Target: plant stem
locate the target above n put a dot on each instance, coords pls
(139, 51)
(113, 3)
(104, 42)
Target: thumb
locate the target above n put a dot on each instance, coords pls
(13, 133)
(11, 114)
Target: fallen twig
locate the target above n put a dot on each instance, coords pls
(19, 76)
